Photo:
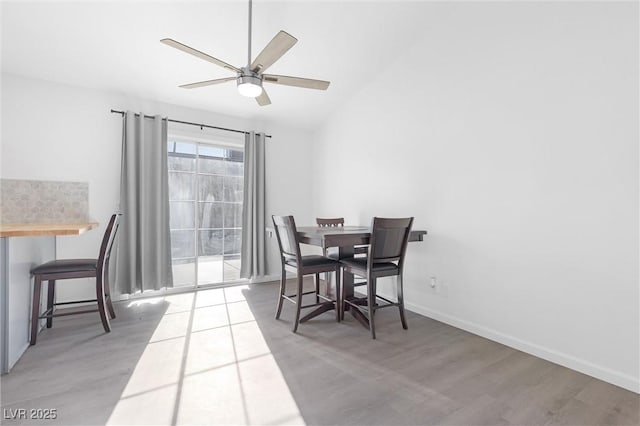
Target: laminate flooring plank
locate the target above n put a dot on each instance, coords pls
(484, 410)
(577, 413)
(538, 403)
(618, 404)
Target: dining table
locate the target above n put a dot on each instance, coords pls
(343, 239)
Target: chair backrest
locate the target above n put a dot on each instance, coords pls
(287, 237)
(389, 239)
(338, 221)
(108, 239)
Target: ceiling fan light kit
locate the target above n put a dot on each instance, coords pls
(249, 84)
(250, 78)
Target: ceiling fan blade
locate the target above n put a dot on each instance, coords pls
(207, 83)
(307, 83)
(263, 99)
(273, 51)
(198, 54)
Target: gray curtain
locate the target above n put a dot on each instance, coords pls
(144, 248)
(253, 244)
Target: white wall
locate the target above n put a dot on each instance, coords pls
(57, 132)
(510, 131)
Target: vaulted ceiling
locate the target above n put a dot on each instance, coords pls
(114, 45)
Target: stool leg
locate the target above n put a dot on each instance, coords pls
(371, 301)
(283, 286)
(101, 302)
(401, 302)
(298, 303)
(50, 300)
(339, 315)
(107, 292)
(343, 295)
(317, 288)
(35, 309)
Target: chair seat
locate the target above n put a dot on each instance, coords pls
(66, 265)
(360, 263)
(314, 260)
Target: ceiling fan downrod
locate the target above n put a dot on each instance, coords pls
(249, 82)
(249, 49)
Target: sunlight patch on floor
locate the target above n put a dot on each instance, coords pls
(211, 270)
(206, 363)
(147, 301)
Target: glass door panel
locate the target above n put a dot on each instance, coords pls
(182, 195)
(206, 193)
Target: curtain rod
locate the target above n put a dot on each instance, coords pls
(192, 124)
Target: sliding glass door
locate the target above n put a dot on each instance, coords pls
(205, 193)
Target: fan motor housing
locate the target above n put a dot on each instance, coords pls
(248, 77)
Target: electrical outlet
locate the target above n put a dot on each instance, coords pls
(438, 287)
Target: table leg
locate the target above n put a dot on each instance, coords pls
(347, 278)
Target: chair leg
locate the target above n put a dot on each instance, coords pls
(35, 309)
(50, 299)
(343, 295)
(339, 293)
(298, 303)
(101, 303)
(371, 302)
(317, 277)
(401, 302)
(107, 293)
(283, 282)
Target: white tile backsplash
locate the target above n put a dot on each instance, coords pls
(35, 201)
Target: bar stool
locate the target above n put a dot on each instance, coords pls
(290, 257)
(387, 250)
(76, 268)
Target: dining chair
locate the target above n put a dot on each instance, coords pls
(387, 249)
(336, 222)
(291, 258)
(327, 223)
(65, 269)
(334, 253)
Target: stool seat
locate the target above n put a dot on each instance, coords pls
(66, 265)
(314, 260)
(360, 264)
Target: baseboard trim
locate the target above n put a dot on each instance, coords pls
(599, 372)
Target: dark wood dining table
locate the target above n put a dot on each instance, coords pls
(344, 238)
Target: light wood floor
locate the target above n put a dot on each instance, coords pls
(219, 357)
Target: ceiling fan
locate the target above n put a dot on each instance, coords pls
(250, 78)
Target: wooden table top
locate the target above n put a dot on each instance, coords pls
(44, 229)
(339, 236)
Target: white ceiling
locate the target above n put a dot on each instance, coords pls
(115, 46)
